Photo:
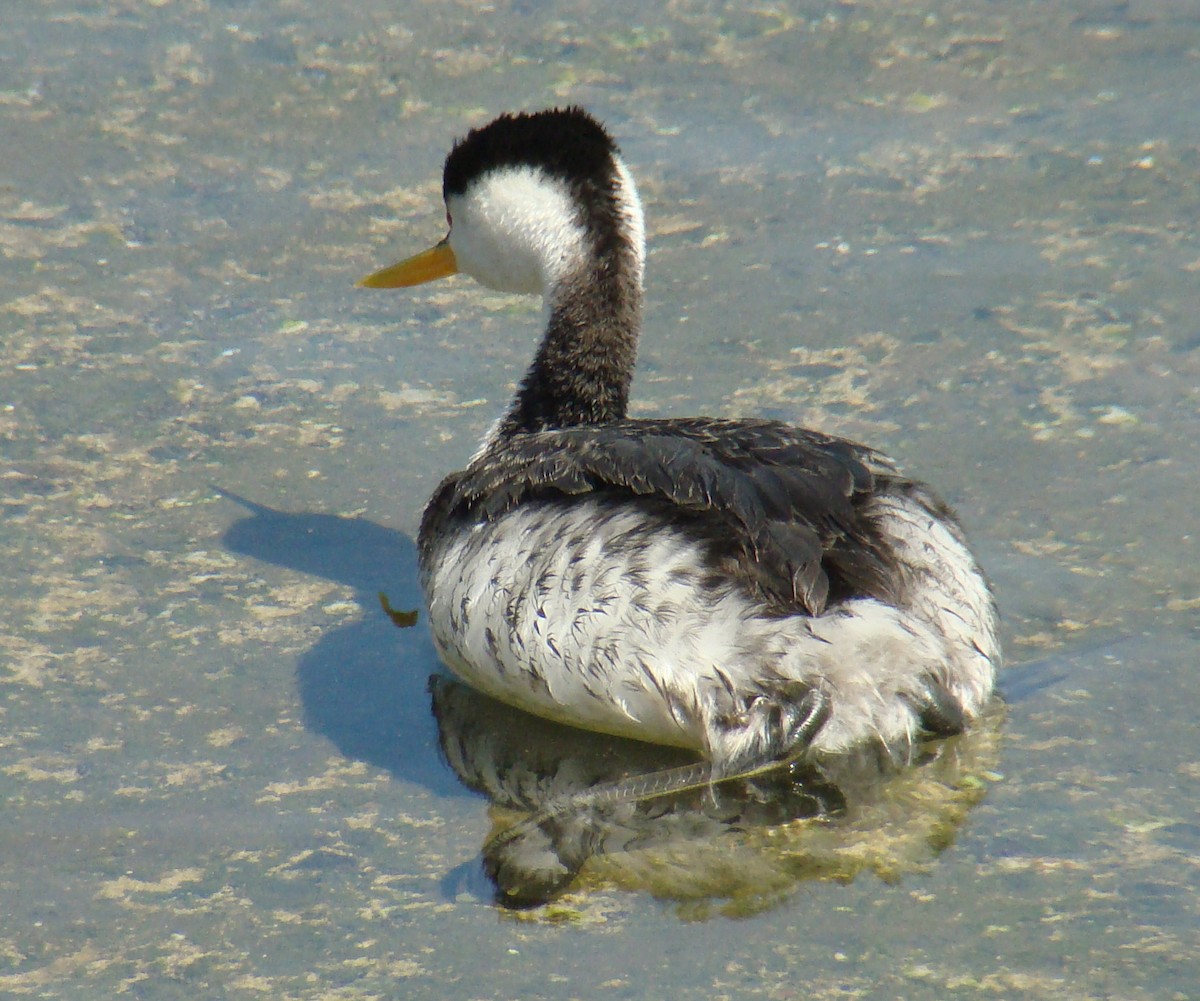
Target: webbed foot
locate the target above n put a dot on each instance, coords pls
(939, 712)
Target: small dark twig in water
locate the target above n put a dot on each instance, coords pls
(404, 620)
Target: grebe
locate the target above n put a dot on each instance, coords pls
(743, 588)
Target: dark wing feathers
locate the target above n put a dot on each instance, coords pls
(787, 505)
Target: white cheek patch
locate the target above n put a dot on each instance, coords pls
(516, 230)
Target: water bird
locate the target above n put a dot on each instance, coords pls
(753, 591)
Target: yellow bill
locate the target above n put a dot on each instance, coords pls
(436, 262)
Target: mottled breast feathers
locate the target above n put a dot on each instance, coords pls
(786, 510)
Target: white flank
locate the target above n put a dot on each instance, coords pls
(597, 615)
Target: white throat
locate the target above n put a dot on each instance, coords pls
(630, 207)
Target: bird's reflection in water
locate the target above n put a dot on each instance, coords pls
(739, 845)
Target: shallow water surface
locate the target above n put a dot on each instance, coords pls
(965, 233)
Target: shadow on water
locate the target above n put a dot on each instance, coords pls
(364, 685)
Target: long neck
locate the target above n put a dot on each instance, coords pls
(584, 364)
